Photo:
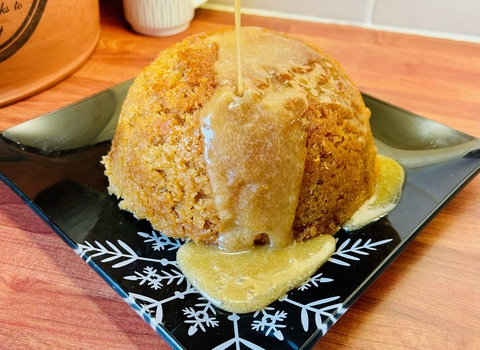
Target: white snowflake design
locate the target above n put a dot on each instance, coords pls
(314, 281)
(154, 307)
(319, 308)
(202, 316)
(112, 253)
(270, 323)
(356, 248)
(237, 340)
(150, 276)
(160, 242)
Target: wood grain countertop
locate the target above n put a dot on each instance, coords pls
(429, 298)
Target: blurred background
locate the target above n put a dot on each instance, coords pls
(450, 19)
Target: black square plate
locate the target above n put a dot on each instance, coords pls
(53, 164)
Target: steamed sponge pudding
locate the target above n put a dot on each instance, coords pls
(159, 166)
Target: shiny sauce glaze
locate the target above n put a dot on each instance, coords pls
(254, 148)
(248, 281)
(254, 139)
(388, 188)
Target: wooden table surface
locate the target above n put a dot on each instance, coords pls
(429, 298)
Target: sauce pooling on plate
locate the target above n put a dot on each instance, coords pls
(247, 281)
(255, 149)
(388, 188)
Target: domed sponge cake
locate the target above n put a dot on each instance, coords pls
(158, 164)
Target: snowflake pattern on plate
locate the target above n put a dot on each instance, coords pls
(116, 245)
(162, 283)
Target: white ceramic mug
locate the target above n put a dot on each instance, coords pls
(160, 17)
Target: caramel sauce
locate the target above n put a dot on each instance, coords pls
(255, 152)
(388, 188)
(238, 27)
(254, 140)
(248, 281)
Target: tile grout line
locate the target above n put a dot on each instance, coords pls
(367, 24)
(371, 10)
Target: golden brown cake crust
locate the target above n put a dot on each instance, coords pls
(156, 163)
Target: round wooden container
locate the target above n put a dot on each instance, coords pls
(42, 42)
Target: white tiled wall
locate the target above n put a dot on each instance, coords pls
(453, 19)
